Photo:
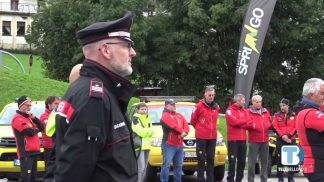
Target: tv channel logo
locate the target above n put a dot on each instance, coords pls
(291, 155)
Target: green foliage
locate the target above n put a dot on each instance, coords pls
(189, 43)
(15, 84)
(194, 43)
(55, 25)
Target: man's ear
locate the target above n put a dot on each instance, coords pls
(105, 51)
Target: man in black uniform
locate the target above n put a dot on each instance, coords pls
(92, 129)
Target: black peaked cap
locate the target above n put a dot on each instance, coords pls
(102, 30)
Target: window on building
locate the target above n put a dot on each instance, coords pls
(6, 28)
(20, 28)
(14, 5)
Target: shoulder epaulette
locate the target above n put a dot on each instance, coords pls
(96, 88)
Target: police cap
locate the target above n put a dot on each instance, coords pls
(103, 30)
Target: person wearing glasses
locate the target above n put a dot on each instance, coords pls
(93, 132)
(204, 120)
(25, 126)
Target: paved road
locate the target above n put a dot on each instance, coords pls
(299, 178)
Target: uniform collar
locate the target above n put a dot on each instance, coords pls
(310, 103)
(22, 113)
(117, 85)
(236, 106)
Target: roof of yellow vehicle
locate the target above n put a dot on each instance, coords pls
(152, 103)
(33, 102)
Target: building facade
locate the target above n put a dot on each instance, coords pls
(15, 20)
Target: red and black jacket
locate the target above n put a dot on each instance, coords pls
(47, 141)
(204, 120)
(236, 120)
(26, 130)
(258, 127)
(93, 132)
(173, 125)
(310, 129)
(285, 124)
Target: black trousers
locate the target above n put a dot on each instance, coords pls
(205, 154)
(47, 155)
(236, 155)
(315, 177)
(279, 144)
(50, 165)
(28, 167)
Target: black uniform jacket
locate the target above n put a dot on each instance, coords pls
(92, 129)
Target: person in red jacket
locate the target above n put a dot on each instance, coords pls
(51, 103)
(175, 128)
(284, 123)
(258, 138)
(25, 126)
(204, 120)
(236, 120)
(310, 129)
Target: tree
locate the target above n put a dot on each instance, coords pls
(54, 27)
(194, 43)
(183, 45)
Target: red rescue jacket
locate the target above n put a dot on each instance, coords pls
(47, 141)
(310, 128)
(285, 124)
(173, 124)
(236, 120)
(258, 127)
(204, 120)
(26, 131)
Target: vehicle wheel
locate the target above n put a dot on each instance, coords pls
(150, 174)
(188, 172)
(257, 168)
(219, 172)
(269, 166)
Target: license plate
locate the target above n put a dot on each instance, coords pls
(190, 154)
(16, 162)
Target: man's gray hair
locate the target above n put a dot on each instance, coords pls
(209, 88)
(238, 97)
(312, 86)
(255, 97)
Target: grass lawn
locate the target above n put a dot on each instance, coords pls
(13, 83)
(36, 69)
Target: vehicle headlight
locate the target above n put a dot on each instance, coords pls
(156, 142)
(219, 141)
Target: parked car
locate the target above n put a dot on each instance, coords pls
(9, 164)
(184, 106)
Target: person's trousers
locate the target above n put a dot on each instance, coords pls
(171, 154)
(236, 154)
(50, 164)
(258, 150)
(315, 177)
(47, 155)
(28, 167)
(279, 144)
(142, 164)
(205, 154)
